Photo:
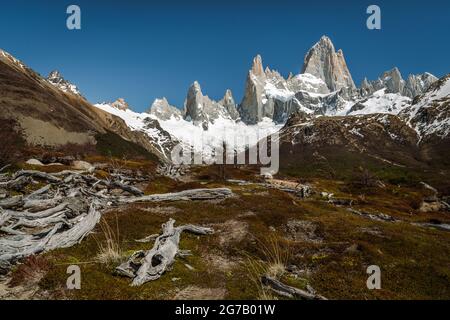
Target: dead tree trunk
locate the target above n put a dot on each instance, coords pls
(193, 194)
(151, 265)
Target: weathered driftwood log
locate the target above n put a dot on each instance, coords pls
(193, 194)
(58, 217)
(35, 215)
(77, 233)
(12, 202)
(4, 217)
(37, 174)
(288, 291)
(35, 205)
(68, 172)
(16, 247)
(147, 266)
(39, 192)
(58, 214)
(125, 187)
(16, 184)
(8, 230)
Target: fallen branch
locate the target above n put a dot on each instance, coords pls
(125, 187)
(193, 194)
(16, 184)
(36, 174)
(5, 167)
(12, 202)
(39, 192)
(288, 291)
(40, 204)
(151, 265)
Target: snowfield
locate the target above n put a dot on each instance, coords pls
(381, 102)
(236, 135)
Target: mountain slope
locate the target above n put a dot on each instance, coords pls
(146, 125)
(47, 116)
(412, 142)
(379, 138)
(429, 115)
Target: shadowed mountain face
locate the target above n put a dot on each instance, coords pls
(48, 113)
(382, 138)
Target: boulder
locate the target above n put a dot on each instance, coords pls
(83, 165)
(34, 162)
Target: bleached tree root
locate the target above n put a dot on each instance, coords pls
(61, 213)
(15, 247)
(288, 291)
(151, 265)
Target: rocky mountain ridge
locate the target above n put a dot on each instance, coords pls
(56, 79)
(325, 88)
(161, 109)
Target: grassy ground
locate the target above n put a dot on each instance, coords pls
(331, 253)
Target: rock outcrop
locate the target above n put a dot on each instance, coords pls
(267, 95)
(251, 107)
(163, 110)
(393, 82)
(200, 109)
(322, 61)
(418, 84)
(120, 104)
(229, 104)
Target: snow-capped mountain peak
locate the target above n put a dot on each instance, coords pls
(324, 88)
(393, 81)
(257, 66)
(56, 79)
(203, 111)
(120, 104)
(322, 61)
(161, 109)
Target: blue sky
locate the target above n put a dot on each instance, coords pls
(141, 50)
